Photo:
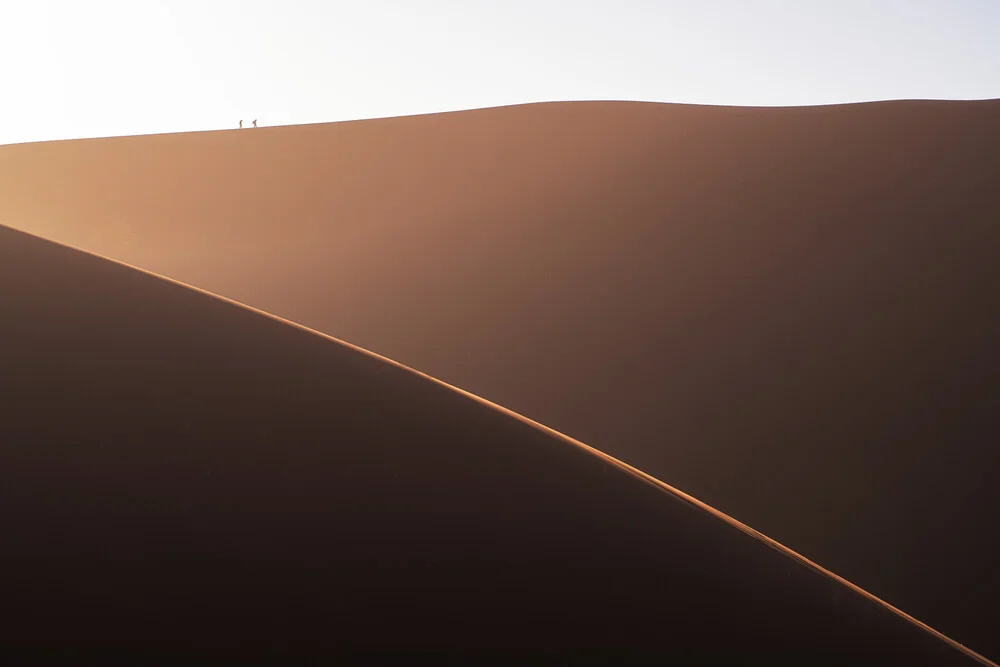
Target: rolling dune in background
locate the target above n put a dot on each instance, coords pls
(792, 314)
(184, 476)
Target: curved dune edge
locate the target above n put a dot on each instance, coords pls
(607, 458)
(444, 112)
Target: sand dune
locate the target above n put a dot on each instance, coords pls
(182, 475)
(789, 313)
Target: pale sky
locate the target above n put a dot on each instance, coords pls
(110, 67)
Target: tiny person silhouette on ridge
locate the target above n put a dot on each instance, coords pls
(241, 124)
(255, 122)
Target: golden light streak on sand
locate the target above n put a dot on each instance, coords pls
(635, 472)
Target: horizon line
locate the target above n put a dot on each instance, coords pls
(516, 104)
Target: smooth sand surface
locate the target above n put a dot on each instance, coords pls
(185, 476)
(792, 314)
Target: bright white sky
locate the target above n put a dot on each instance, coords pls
(81, 68)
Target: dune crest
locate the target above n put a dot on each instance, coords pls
(178, 465)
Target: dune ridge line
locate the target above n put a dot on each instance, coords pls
(447, 112)
(607, 458)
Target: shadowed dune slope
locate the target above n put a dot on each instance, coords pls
(181, 473)
(792, 314)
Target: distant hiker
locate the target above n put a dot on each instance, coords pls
(241, 124)
(255, 122)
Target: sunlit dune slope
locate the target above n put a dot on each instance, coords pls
(183, 474)
(790, 313)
